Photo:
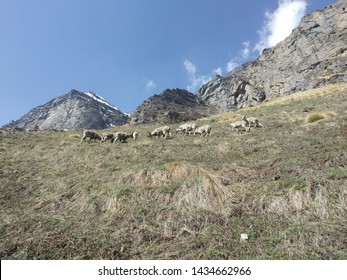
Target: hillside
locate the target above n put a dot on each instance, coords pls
(187, 197)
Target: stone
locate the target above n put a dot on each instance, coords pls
(244, 237)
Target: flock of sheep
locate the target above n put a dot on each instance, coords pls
(188, 128)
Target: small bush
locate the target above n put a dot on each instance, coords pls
(314, 116)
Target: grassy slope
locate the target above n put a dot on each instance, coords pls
(188, 197)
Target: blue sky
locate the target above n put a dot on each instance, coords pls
(129, 50)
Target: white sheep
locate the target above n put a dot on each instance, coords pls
(122, 136)
(187, 128)
(164, 131)
(135, 135)
(205, 129)
(240, 126)
(254, 122)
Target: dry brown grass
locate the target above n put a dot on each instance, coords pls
(75, 136)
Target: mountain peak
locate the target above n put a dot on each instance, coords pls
(74, 110)
(171, 106)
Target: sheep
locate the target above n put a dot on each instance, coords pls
(242, 125)
(205, 129)
(164, 130)
(187, 128)
(107, 136)
(91, 135)
(238, 126)
(135, 135)
(245, 122)
(254, 122)
(122, 136)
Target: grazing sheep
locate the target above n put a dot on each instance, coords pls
(254, 122)
(107, 136)
(239, 127)
(235, 124)
(242, 125)
(245, 122)
(135, 135)
(205, 129)
(91, 135)
(187, 128)
(122, 136)
(164, 130)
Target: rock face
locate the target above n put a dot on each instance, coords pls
(74, 110)
(315, 54)
(171, 106)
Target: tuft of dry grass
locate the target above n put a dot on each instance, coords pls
(314, 116)
(75, 136)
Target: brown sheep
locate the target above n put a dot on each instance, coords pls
(91, 135)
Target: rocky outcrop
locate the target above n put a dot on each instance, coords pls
(171, 106)
(74, 110)
(315, 54)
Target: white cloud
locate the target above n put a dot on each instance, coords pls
(245, 51)
(217, 71)
(280, 23)
(243, 55)
(197, 81)
(150, 84)
(190, 67)
(232, 64)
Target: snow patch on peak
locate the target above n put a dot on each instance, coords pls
(99, 99)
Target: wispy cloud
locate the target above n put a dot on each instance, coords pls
(279, 24)
(217, 71)
(231, 65)
(245, 52)
(197, 81)
(150, 84)
(241, 57)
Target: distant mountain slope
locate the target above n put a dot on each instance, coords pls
(171, 106)
(315, 54)
(74, 110)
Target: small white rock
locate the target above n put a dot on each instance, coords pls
(244, 237)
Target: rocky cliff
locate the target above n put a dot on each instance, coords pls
(171, 106)
(314, 54)
(74, 110)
